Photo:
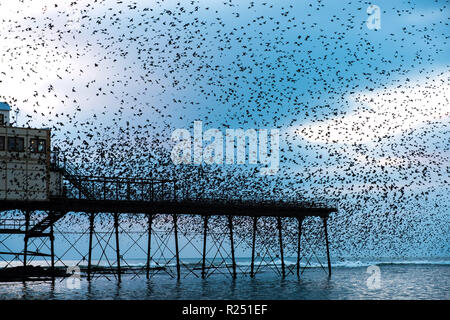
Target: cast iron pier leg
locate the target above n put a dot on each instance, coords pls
(27, 227)
(52, 245)
(326, 240)
(116, 227)
(233, 261)
(300, 221)
(177, 253)
(150, 221)
(280, 236)
(205, 229)
(91, 232)
(252, 266)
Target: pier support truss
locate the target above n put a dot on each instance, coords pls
(176, 245)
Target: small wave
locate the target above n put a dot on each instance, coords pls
(246, 263)
(359, 264)
(348, 263)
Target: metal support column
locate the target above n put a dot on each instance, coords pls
(233, 261)
(116, 227)
(91, 232)
(300, 221)
(328, 249)
(149, 243)
(27, 227)
(205, 229)
(177, 253)
(52, 244)
(252, 266)
(280, 236)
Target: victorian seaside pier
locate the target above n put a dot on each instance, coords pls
(41, 188)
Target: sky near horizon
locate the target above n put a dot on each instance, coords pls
(363, 114)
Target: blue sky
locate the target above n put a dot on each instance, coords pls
(363, 113)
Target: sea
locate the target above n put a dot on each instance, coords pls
(360, 279)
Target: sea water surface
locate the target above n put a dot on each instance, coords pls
(399, 279)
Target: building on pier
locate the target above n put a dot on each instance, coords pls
(25, 171)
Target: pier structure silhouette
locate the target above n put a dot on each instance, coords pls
(148, 198)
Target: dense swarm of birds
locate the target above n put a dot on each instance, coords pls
(363, 113)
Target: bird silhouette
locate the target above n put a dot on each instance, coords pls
(362, 114)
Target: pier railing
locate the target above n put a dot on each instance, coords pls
(13, 224)
(77, 185)
(119, 188)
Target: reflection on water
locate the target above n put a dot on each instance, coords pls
(397, 282)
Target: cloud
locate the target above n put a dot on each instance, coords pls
(422, 16)
(385, 112)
